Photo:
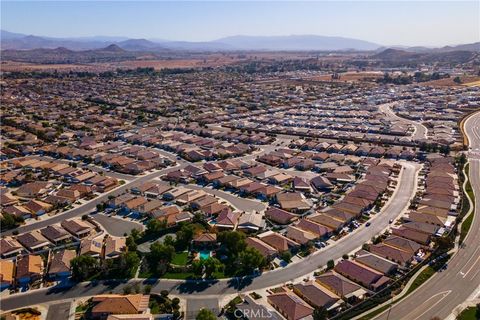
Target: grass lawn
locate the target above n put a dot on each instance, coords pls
(180, 258)
(179, 275)
(421, 278)
(468, 314)
(375, 313)
(468, 221)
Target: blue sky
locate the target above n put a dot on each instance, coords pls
(387, 22)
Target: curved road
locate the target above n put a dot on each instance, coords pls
(212, 289)
(446, 290)
(420, 130)
(86, 208)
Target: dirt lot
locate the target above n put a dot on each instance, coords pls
(448, 82)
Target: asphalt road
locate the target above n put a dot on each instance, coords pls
(212, 289)
(446, 290)
(59, 311)
(420, 129)
(116, 226)
(241, 204)
(90, 206)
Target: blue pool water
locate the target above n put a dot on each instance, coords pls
(205, 254)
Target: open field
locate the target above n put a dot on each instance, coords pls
(448, 82)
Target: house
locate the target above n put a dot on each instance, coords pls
(18, 211)
(7, 269)
(227, 219)
(91, 247)
(59, 267)
(320, 231)
(190, 196)
(37, 207)
(29, 269)
(328, 221)
(105, 305)
(414, 235)
(290, 305)
(214, 209)
(256, 311)
(77, 227)
(149, 206)
(375, 262)
(56, 234)
(316, 295)
(114, 247)
(72, 195)
(174, 193)
(321, 184)
(268, 192)
(157, 190)
(120, 200)
(251, 221)
(293, 201)
(202, 202)
(33, 189)
(301, 184)
(300, 236)
(33, 240)
(277, 241)
(9, 247)
(277, 215)
(205, 240)
(265, 250)
(364, 275)
(342, 287)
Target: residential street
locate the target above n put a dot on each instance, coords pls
(90, 206)
(398, 202)
(445, 290)
(420, 129)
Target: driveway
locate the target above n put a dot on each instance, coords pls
(241, 204)
(59, 311)
(116, 226)
(212, 289)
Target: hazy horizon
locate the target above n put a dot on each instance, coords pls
(419, 23)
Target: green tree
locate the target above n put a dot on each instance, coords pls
(250, 259)
(159, 255)
(286, 256)
(233, 241)
(84, 267)
(320, 313)
(155, 226)
(131, 245)
(330, 264)
(211, 265)
(129, 262)
(197, 267)
(206, 314)
(184, 236)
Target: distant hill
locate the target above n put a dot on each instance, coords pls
(65, 55)
(18, 41)
(138, 45)
(462, 47)
(402, 56)
(297, 42)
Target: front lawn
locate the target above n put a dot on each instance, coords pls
(180, 258)
(421, 278)
(468, 314)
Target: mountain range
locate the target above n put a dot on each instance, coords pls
(18, 41)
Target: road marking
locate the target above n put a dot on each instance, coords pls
(444, 295)
(473, 265)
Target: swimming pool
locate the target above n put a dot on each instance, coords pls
(205, 254)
